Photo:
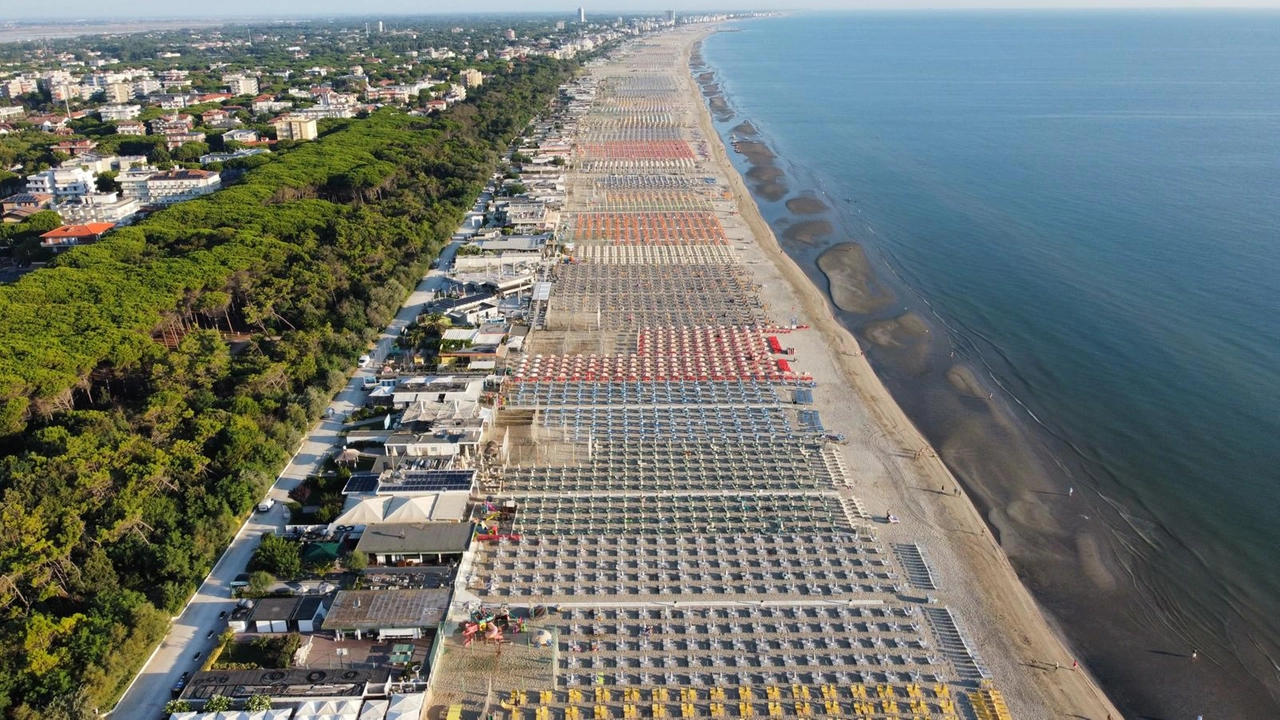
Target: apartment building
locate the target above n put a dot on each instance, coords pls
(295, 127)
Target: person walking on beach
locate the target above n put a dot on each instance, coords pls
(1071, 491)
(1195, 655)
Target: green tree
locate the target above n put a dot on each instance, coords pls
(106, 182)
(278, 556)
(258, 703)
(435, 323)
(176, 706)
(217, 703)
(41, 222)
(135, 439)
(190, 152)
(260, 582)
(356, 561)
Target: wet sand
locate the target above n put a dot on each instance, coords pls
(756, 152)
(963, 380)
(806, 206)
(808, 231)
(854, 288)
(768, 182)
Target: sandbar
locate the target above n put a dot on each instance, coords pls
(805, 205)
(854, 287)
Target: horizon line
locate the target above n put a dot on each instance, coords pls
(225, 19)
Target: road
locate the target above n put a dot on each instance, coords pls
(146, 696)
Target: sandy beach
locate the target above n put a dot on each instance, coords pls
(726, 524)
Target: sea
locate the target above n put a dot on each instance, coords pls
(1085, 209)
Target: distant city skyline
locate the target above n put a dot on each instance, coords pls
(70, 10)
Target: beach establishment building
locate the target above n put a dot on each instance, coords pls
(362, 511)
(497, 252)
(273, 714)
(387, 614)
(397, 707)
(471, 344)
(298, 685)
(436, 431)
(286, 614)
(417, 543)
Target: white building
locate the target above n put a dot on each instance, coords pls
(119, 112)
(118, 92)
(61, 182)
(145, 86)
(166, 188)
(226, 156)
(96, 164)
(321, 112)
(240, 136)
(98, 208)
(241, 84)
(270, 106)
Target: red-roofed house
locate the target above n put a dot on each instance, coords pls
(69, 236)
(75, 147)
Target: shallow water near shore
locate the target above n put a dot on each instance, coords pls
(1076, 222)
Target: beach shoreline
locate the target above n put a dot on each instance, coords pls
(1029, 659)
(1132, 582)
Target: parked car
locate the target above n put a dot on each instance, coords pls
(365, 361)
(182, 682)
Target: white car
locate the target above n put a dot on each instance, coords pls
(364, 361)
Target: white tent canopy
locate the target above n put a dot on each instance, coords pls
(406, 707)
(277, 714)
(446, 506)
(329, 710)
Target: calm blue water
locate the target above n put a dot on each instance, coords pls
(1090, 202)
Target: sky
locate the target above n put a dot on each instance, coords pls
(231, 9)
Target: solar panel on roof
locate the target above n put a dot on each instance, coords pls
(430, 481)
(361, 483)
